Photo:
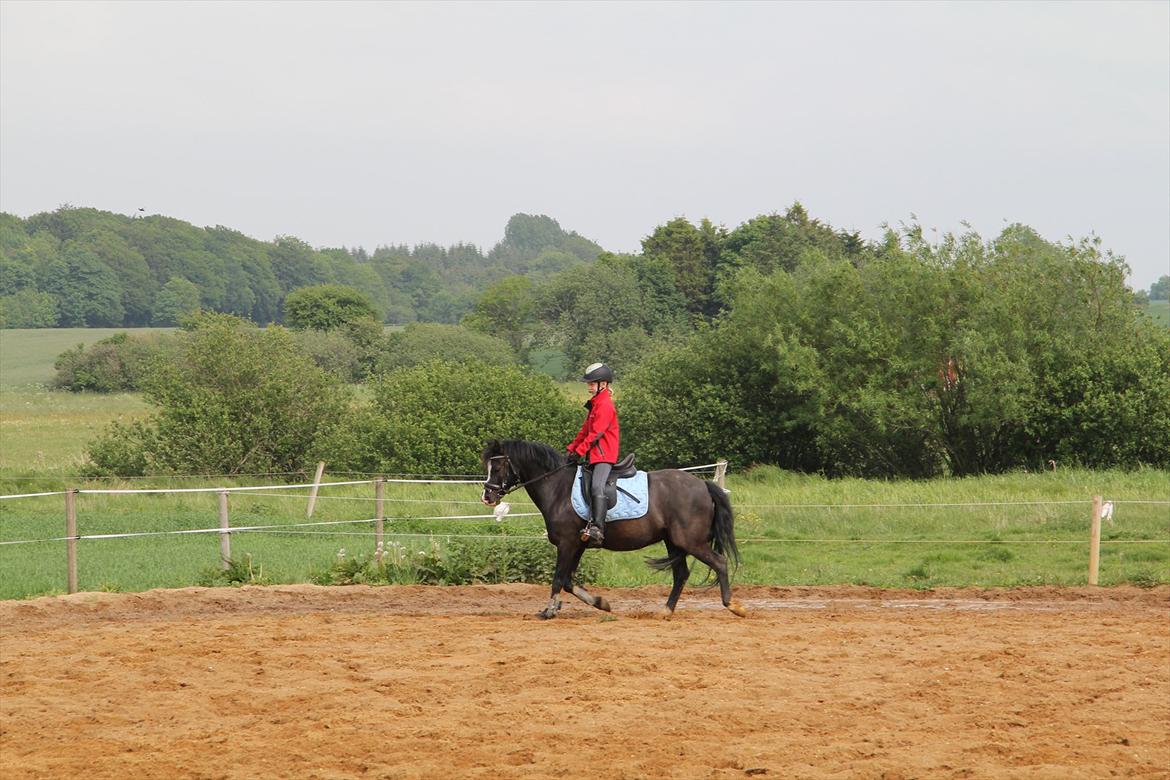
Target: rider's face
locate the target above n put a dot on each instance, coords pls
(593, 387)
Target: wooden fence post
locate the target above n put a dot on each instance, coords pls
(1095, 542)
(71, 539)
(379, 518)
(316, 484)
(721, 473)
(225, 534)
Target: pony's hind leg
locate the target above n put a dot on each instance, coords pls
(718, 564)
(678, 566)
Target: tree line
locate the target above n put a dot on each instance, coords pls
(783, 341)
(81, 267)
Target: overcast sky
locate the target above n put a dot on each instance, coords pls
(362, 124)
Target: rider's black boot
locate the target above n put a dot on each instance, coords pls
(594, 532)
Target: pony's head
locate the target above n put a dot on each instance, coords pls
(501, 477)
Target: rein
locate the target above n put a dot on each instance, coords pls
(505, 490)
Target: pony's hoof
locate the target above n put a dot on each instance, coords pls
(737, 609)
(546, 614)
(602, 604)
(666, 614)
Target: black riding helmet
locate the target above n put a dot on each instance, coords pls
(598, 372)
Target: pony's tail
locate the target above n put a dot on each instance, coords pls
(665, 562)
(722, 536)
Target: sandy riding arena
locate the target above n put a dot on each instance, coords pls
(425, 682)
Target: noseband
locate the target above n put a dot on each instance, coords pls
(506, 487)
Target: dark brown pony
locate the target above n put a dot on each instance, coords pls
(692, 516)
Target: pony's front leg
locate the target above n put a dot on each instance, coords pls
(568, 556)
(551, 609)
(594, 601)
(598, 602)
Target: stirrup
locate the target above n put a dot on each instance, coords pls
(592, 533)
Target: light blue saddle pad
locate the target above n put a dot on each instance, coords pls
(626, 508)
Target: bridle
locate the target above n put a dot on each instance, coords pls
(513, 482)
(505, 487)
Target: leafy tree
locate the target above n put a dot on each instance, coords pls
(537, 241)
(16, 274)
(253, 290)
(1160, 290)
(28, 308)
(231, 399)
(178, 299)
(420, 343)
(240, 275)
(588, 301)
(173, 248)
(135, 281)
(295, 266)
(435, 418)
(960, 357)
(360, 276)
(780, 242)
(507, 310)
(612, 310)
(86, 290)
(693, 255)
(326, 306)
(528, 234)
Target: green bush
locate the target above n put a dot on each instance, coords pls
(420, 343)
(231, 399)
(326, 307)
(334, 352)
(116, 364)
(435, 418)
(121, 450)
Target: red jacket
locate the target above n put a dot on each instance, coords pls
(600, 436)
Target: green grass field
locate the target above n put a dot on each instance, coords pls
(26, 356)
(43, 433)
(793, 530)
(1160, 311)
(1015, 529)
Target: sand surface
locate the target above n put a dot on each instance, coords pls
(428, 682)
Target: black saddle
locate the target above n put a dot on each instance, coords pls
(622, 469)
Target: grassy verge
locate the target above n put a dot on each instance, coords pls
(793, 530)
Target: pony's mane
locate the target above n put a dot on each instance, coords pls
(527, 455)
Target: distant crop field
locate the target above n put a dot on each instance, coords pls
(27, 355)
(45, 432)
(1160, 311)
